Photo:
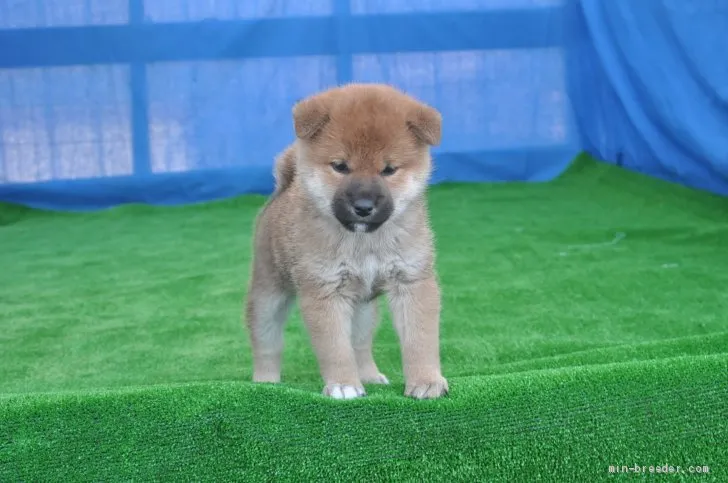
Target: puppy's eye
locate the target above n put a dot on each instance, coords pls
(389, 170)
(340, 167)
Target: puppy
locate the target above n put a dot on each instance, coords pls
(348, 222)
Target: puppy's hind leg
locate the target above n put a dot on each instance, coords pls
(267, 309)
(362, 335)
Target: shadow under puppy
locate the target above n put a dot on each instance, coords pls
(348, 222)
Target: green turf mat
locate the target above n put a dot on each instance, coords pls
(585, 324)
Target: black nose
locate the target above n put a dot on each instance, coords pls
(363, 207)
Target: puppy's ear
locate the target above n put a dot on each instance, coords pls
(426, 123)
(309, 116)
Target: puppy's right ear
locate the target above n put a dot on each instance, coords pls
(309, 116)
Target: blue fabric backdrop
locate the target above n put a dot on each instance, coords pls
(174, 101)
(648, 80)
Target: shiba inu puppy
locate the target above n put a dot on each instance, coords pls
(348, 222)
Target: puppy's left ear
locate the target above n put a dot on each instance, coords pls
(426, 123)
(309, 116)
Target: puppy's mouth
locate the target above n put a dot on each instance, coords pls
(361, 226)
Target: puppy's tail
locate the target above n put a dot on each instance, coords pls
(285, 170)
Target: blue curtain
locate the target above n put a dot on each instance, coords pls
(648, 80)
(175, 101)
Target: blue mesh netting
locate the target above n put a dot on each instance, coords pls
(174, 101)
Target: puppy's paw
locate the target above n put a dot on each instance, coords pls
(427, 389)
(267, 378)
(377, 378)
(343, 391)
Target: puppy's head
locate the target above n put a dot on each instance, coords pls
(364, 152)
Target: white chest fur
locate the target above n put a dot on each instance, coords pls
(354, 275)
(370, 269)
(362, 266)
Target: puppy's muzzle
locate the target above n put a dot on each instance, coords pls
(362, 207)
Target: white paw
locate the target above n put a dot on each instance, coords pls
(343, 391)
(377, 379)
(432, 389)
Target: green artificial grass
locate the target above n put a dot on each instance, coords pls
(585, 324)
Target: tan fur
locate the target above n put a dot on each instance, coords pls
(300, 248)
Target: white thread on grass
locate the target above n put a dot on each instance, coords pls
(618, 237)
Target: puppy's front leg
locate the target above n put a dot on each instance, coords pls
(415, 311)
(328, 320)
(364, 323)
